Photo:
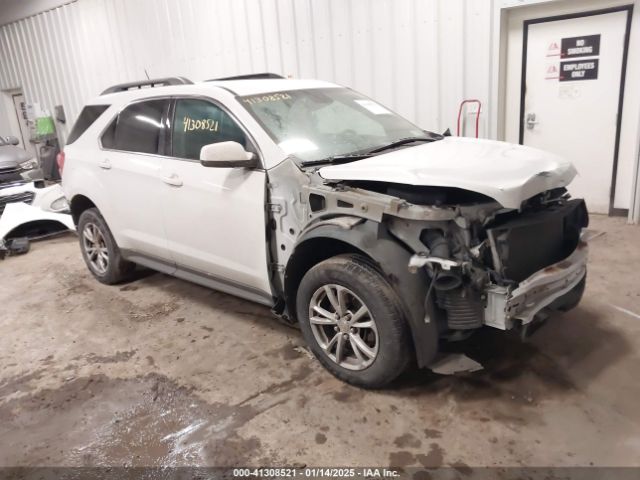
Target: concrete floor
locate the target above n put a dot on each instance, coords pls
(162, 372)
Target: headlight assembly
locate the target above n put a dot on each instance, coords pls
(60, 204)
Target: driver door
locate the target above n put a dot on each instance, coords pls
(214, 217)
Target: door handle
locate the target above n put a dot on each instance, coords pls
(173, 180)
(531, 121)
(104, 164)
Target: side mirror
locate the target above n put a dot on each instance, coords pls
(226, 155)
(11, 140)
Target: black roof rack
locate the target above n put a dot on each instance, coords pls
(155, 82)
(250, 76)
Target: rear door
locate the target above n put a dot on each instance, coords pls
(131, 166)
(214, 217)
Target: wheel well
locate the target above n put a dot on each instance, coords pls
(79, 204)
(306, 255)
(37, 228)
(373, 241)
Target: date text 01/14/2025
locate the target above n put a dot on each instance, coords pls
(315, 472)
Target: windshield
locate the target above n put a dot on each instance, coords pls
(322, 123)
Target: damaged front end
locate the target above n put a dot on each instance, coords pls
(502, 271)
(541, 261)
(457, 259)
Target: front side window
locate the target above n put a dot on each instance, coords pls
(197, 123)
(138, 128)
(314, 124)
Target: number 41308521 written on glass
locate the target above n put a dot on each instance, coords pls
(207, 124)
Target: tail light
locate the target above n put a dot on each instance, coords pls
(60, 161)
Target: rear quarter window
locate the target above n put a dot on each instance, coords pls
(138, 128)
(88, 115)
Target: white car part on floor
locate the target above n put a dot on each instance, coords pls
(18, 214)
(49, 198)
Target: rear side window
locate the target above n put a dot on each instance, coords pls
(88, 115)
(198, 123)
(138, 128)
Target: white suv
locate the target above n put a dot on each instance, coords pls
(379, 238)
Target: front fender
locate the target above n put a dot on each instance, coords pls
(373, 239)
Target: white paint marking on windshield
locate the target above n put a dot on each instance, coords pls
(373, 107)
(297, 145)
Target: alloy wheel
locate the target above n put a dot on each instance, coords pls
(343, 327)
(95, 247)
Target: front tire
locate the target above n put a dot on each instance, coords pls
(100, 251)
(352, 321)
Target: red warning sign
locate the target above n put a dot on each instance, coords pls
(552, 73)
(553, 50)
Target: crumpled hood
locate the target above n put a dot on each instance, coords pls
(503, 171)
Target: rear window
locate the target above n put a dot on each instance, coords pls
(88, 115)
(138, 128)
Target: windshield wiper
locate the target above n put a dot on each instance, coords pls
(337, 159)
(350, 157)
(402, 141)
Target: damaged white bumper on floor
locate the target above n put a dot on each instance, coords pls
(27, 205)
(50, 198)
(18, 214)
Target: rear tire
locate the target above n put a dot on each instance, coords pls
(100, 250)
(369, 329)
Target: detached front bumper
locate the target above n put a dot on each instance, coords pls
(505, 306)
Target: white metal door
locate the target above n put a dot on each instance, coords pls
(571, 97)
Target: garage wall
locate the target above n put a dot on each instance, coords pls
(12, 10)
(420, 57)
